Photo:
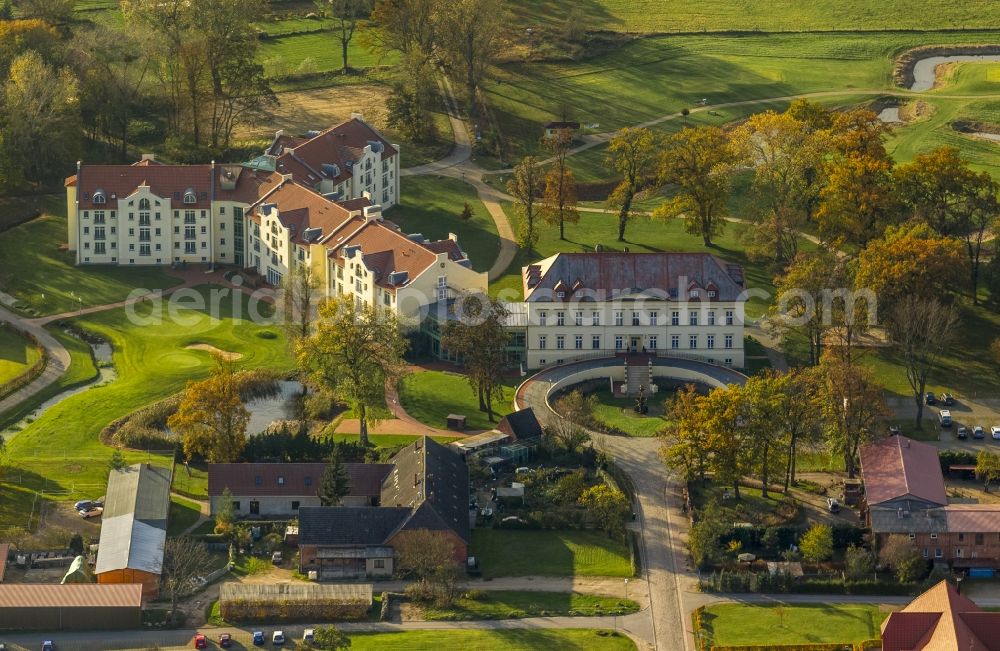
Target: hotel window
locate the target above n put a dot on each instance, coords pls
(711, 317)
(595, 342)
(86, 230)
(937, 552)
(578, 342)
(560, 342)
(99, 198)
(710, 343)
(619, 318)
(653, 317)
(675, 318)
(675, 341)
(619, 342)
(692, 341)
(442, 288)
(578, 318)
(143, 249)
(729, 341)
(378, 563)
(711, 293)
(189, 247)
(729, 317)
(635, 318)
(595, 318)
(98, 248)
(542, 317)
(693, 317)
(189, 233)
(99, 233)
(541, 342)
(694, 293)
(652, 342)
(98, 216)
(560, 318)
(728, 361)
(189, 217)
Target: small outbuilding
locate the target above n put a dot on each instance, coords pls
(247, 602)
(455, 422)
(82, 606)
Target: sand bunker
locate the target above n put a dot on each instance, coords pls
(208, 348)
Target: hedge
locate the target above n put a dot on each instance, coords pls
(255, 610)
(783, 583)
(750, 537)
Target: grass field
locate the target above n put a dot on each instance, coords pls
(579, 639)
(322, 48)
(393, 440)
(429, 396)
(745, 624)
(756, 15)
(183, 514)
(502, 604)
(60, 453)
(504, 552)
(46, 279)
(17, 354)
(616, 413)
(432, 206)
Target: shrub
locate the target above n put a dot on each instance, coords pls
(817, 543)
(858, 563)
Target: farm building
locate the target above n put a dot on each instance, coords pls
(135, 527)
(239, 602)
(54, 607)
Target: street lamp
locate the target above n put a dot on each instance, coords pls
(626, 588)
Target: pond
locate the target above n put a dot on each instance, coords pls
(925, 70)
(281, 406)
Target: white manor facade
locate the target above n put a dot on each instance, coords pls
(585, 305)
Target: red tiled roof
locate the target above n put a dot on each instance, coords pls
(973, 518)
(337, 145)
(940, 619)
(241, 478)
(448, 246)
(167, 181)
(70, 595)
(387, 251)
(897, 466)
(300, 208)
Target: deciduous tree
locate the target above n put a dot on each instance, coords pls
(480, 336)
(631, 153)
(899, 553)
(609, 507)
(685, 447)
(817, 543)
(184, 559)
(345, 14)
(527, 187)
(697, 162)
(211, 418)
(429, 557)
(353, 352)
(330, 638)
(853, 408)
(336, 483)
(225, 515)
(300, 294)
(559, 199)
(859, 199)
(987, 468)
(469, 39)
(801, 292)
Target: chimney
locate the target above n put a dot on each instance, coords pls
(453, 237)
(358, 116)
(279, 133)
(149, 157)
(286, 177)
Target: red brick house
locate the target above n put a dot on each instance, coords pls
(427, 489)
(941, 620)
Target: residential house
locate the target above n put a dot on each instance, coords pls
(134, 527)
(583, 305)
(279, 490)
(941, 619)
(905, 495)
(427, 489)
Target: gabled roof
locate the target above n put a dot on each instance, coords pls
(433, 481)
(941, 619)
(341, 146)
(897, 467)
(299, 209)
(348, 525)
(71, 595)
(521, 424)
(295, 478)
(134, 522)
(165, 181)
(608, 275)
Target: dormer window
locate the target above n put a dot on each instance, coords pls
(100, 197)
(143, 204)
(694, 293)
(560, 294)
(711, 293)
(190, 197)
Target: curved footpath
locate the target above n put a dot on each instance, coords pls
(59, 360)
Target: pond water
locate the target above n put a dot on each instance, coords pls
(989, 136)
(279, 407)
(105, 373)
(890, 115)
(925, 70)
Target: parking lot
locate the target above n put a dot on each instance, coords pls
(966, 412)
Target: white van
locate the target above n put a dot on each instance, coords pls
(944, 417)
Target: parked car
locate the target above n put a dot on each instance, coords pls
(995, 432)
(523, 470)
(929, 398)
(276, 558)
(962, 433)
(278, 638)
(225, 640)
(895, 430)
(258, 638)
(977, 432)
(947, 399)
(200, 642)
(832, 505)
(48, 645)
(91, 513)
(308, 635)
(944, 417)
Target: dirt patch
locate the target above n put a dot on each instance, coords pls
(973, 127)
(303, 110)
(224, 354)
(916, 111)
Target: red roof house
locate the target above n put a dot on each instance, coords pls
(941, 620)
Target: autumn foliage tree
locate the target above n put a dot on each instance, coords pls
(480, 336)
(852, 405)
(559, 200)
(211, 418)
(527, 187)
(631, 153)
(859, 199)
(696, 162)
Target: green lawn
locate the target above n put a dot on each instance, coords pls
(578, 639)
(431, 205)
(504, 604)
(17, 354)
(504, 552)
(393, 440)
(616, 413)
(183, 514)
(756, 15)
(191, 481)
(36, 272)
(60, 454)
(429, 396)
(746, 624)
(322, 48)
